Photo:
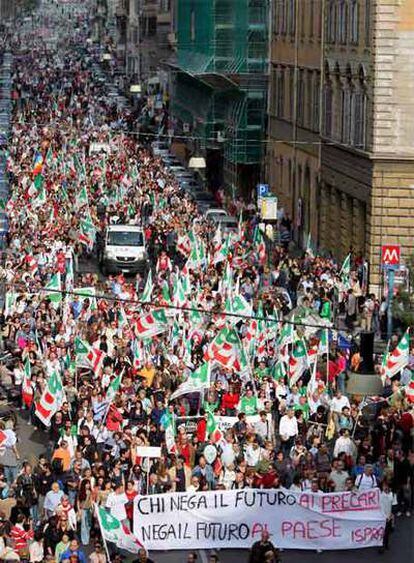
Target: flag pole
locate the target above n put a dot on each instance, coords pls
(327, 357)
(101, 530)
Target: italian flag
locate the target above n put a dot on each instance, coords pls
(298, 361)
(198, 380)
(179, 297)
(324, 342)
(237, 306)
(168, 423)
(398, 359)
(31, 264)
(113, 388)
(147, 294)
(409, 390)
(213, 431)
(286, 335)
(51, 399)
(225, 349)
(345, 271)
(27, 389)
(114, 531)
(87, 232)
(53, 290)
(279, 370)
(259, 241)
(137, 354)
(151, 324)
(95, 358)
(222, 253)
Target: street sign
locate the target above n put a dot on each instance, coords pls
(390, 254)
(269, 208)
(262, 190)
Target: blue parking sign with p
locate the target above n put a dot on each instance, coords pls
(262, 189)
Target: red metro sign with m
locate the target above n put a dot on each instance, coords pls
(390, 254)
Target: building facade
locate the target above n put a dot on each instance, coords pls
(340, 151)
(8, 9)
(219, 86)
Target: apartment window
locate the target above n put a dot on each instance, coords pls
(292, 18)
(346, 115)
(291, 92)
(311, 17)
(283, 16)
(301, 97)
(354, 21)
(342, 22)
(276, 19)
(255, 112)
(273, 90)
(360, 119)
(316, 102)
(328, 100)
(280, 93)
(367, 22)
(308, 101)
(331, 22)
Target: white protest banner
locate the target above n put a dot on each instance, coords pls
(227, 422)
(148, 451)
(236, 518)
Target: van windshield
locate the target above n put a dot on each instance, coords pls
(125, 238)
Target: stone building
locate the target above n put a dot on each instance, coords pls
(7, 9)
(341, 123)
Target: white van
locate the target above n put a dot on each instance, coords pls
(122, 249)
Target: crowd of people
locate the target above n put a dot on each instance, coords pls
(224, 342)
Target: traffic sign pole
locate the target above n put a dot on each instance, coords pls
(390, 296)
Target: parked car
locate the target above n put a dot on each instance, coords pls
(215, 213)
(160, 148)
(228, 224)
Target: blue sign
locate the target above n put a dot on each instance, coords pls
(262, 190)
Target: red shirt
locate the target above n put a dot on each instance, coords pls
(230, 400)
(201, 430)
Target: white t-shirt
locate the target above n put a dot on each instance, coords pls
(337, 404)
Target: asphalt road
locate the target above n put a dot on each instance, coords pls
(32, 443)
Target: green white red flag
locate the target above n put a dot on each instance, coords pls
(168, 423)
(227, 350)
(298, 361)
(198, 380)
(398, 359)
(213, 431)
(53, 290)
(147, 293)
(27, 388)
(51, 399)
(114, 531)
(259, 242)
(151, 324)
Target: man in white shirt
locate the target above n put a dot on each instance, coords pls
(367, 479)
(263, 428)
(338, 476)
(386, 507)
(339, 402)
(288, 430)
